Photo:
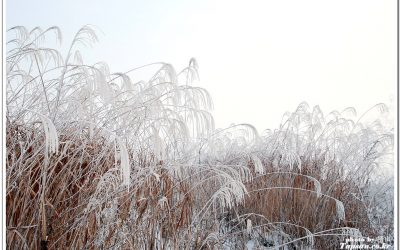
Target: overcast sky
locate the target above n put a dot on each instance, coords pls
(257, 59)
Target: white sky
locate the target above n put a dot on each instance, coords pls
(258, 59)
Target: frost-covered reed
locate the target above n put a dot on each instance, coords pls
(98, 160)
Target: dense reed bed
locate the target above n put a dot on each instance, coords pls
(101, 160)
